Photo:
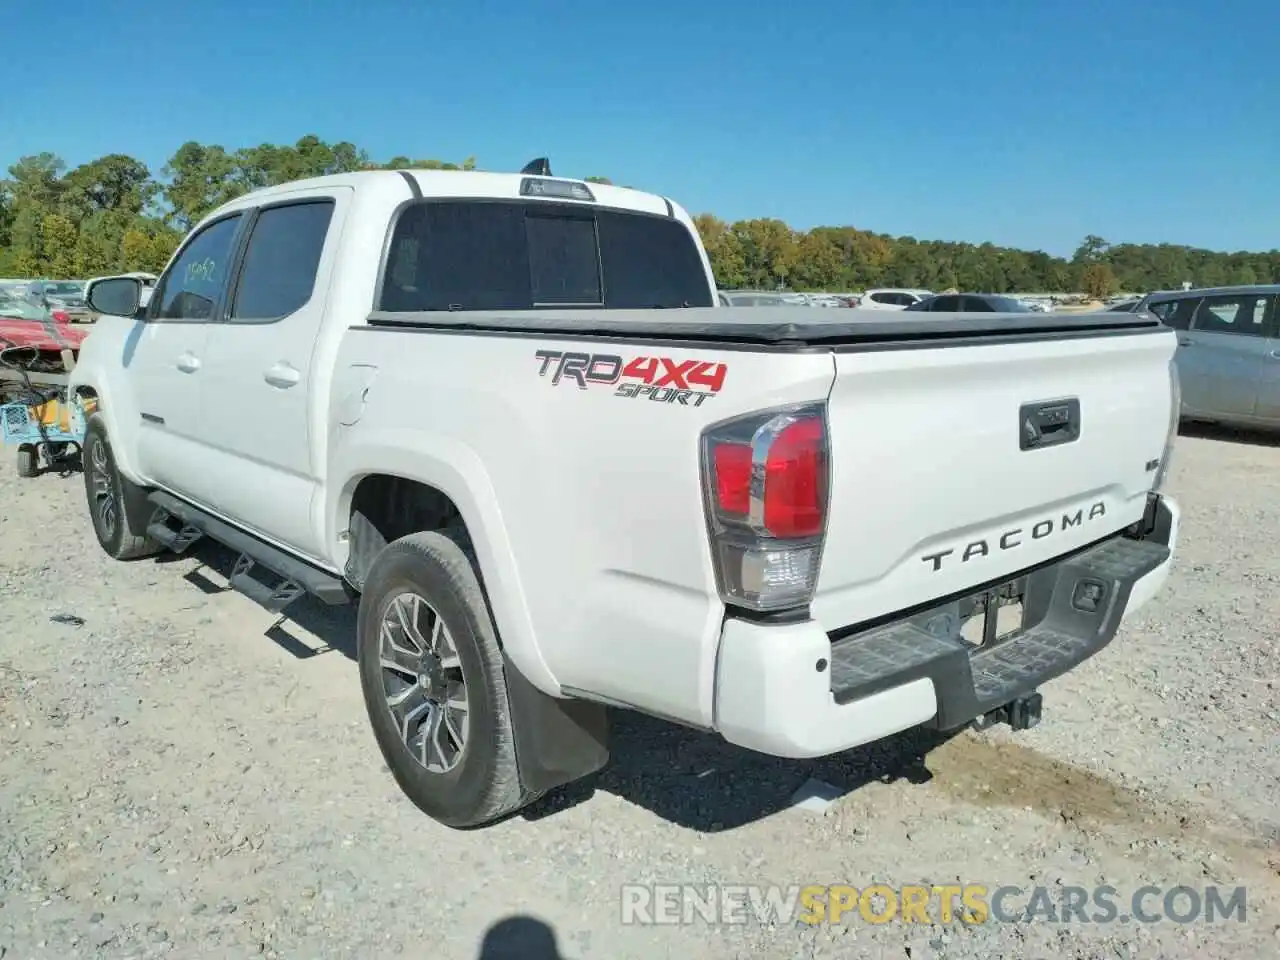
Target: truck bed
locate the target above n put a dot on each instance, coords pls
(777, 327)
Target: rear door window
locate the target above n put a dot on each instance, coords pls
(516, 255)
(946, 304)
(1240, 314)
(281, 261)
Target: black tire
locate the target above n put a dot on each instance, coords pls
(28, 461)
(485, 784)
(123, 537)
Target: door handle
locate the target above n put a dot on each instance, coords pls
(188, 363)
(281, 375)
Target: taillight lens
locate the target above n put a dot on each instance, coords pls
(795, 479)
(733, 478)
(61, 317)
(766, 480)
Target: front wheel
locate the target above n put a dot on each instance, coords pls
(116, 506)
(432, 676)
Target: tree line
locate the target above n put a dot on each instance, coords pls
(114, 214)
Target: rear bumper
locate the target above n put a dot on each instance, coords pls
(793, 691)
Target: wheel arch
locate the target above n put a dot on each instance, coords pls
(113, 416)
(444, 486)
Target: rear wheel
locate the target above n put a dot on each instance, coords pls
(116, 506)
(433, 682)
(28, 461)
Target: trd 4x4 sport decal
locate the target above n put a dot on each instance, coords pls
(660, 379)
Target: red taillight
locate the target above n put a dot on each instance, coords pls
(795, 480)
(765, 477)
(733, 478)
(61, 317)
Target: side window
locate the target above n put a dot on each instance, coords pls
(1177, 313)
(280, 261)
(882, 298)
(947, 304)
(977, 305)
(1242, 314)
(190, 290)
(1161, 308)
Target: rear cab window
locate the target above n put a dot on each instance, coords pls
(524, 255)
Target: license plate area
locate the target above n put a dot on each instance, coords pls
(989, 618)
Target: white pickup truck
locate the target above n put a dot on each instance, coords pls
(801, 532)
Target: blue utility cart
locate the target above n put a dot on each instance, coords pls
(44, 425)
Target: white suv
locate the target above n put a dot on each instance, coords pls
(892, 299)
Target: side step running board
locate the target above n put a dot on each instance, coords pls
(274, 598)
(297, 577)
(177, 541)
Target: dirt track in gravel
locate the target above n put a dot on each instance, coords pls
(183, 775)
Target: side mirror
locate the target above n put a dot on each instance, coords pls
(115, 296)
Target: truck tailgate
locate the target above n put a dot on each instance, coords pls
(932, 491)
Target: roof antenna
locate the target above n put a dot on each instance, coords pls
(540, 167)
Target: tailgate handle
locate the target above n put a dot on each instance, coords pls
(1047, 424)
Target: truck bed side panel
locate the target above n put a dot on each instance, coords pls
(585, 500)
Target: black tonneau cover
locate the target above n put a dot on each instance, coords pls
(776, 325)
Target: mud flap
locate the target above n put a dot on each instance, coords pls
(557, 741)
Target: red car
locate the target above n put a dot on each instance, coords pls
(24, 324)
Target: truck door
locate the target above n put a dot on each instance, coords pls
(165, 356)
(265, 380)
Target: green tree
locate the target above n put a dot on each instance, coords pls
(200, 179)
(1091, 249)
(113, 213)
(1098, 281)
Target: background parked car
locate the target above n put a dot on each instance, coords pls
(1228, 353)
(764, 298)
(22, 308)
(63, 296)
(971, 303)
(887, 298)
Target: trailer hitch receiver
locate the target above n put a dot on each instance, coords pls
(1020, 714)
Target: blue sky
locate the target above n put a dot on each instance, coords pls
(1026, 123)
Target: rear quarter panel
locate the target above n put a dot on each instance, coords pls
(585, 506)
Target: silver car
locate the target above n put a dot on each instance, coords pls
(1228, 351)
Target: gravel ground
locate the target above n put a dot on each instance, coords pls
(184, 775)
